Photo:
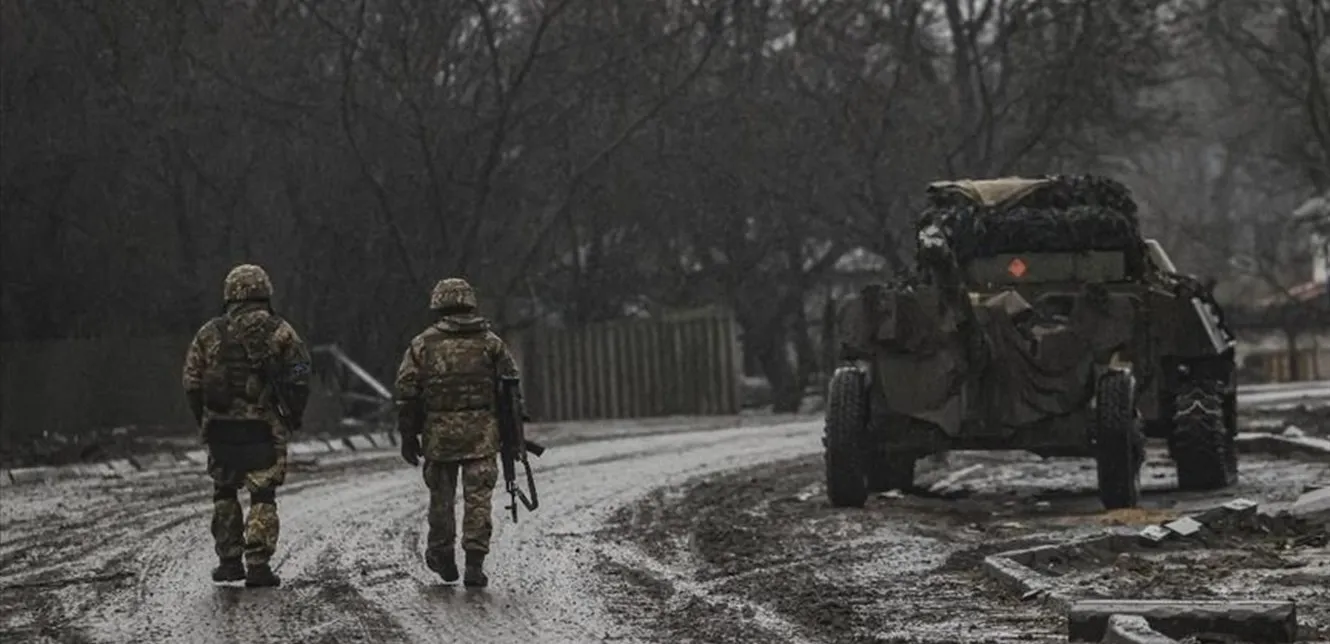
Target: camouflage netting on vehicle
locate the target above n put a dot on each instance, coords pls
(1069, 213)
(1058, 193)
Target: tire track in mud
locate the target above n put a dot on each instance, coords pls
(761, 536)
(350, 552)
(312, 604)
(903, 569)
(159, 537)
(542, 586)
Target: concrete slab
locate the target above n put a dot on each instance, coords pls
(91, 471)
(1133, 629)
(1248, 621)
(360, 442)
(122, 467)
(383, 440)
(29, 475)
(336, 445)
(1184, 527)
(1312, 507)
(1016, 577)
(1154, 534)
(197, 457)
(1231, 513)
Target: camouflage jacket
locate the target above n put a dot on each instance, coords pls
(449, 373)
(234, 386)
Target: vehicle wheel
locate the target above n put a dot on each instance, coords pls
(1202, 444)
(1119, 443)
(847, 419)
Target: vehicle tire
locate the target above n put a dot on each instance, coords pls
(846, 422)
(1202, 444)
(1119, 444)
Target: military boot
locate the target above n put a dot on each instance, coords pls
(261, 575)
(228, 570)
(475, 570)
(444, 564)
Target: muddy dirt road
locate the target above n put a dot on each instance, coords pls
(709, 536)
(127, 560)
(758, 555)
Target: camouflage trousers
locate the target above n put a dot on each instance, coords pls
(478, 478)
(253, 535)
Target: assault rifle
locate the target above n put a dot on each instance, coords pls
(277, 388)
(513, 445)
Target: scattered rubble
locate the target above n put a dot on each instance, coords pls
(1133, 629)
(1247, 621)
(1312, 507)
(1271, 534)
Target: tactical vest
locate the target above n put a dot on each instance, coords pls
(239, 371)
(458, 374)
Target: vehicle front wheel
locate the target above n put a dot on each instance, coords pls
(1119, 444)
(846, 421)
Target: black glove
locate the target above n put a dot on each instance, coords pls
(411, 449)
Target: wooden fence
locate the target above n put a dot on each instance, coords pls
(686, 364)
(683, 365)
(73, 385)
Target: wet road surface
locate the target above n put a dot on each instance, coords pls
(128, 560)
(710, 536)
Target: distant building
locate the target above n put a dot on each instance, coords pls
(1267, 355)
(1315, 214)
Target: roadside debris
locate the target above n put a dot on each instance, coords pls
(1058, 573)
(1246, 621)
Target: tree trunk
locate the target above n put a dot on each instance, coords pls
(1294, 369)
(830, 346)
(1316, 359)
(808, 359)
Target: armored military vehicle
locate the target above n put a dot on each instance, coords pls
(1036, 318)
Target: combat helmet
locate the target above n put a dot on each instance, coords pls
(453, 293)
(247, 282)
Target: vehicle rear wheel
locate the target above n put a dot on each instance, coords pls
(1202, 444)
(1119, 443)
(846, 422)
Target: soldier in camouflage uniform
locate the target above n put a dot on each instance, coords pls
(446, 393)
(229, 375)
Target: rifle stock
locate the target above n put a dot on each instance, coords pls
(513, 446)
